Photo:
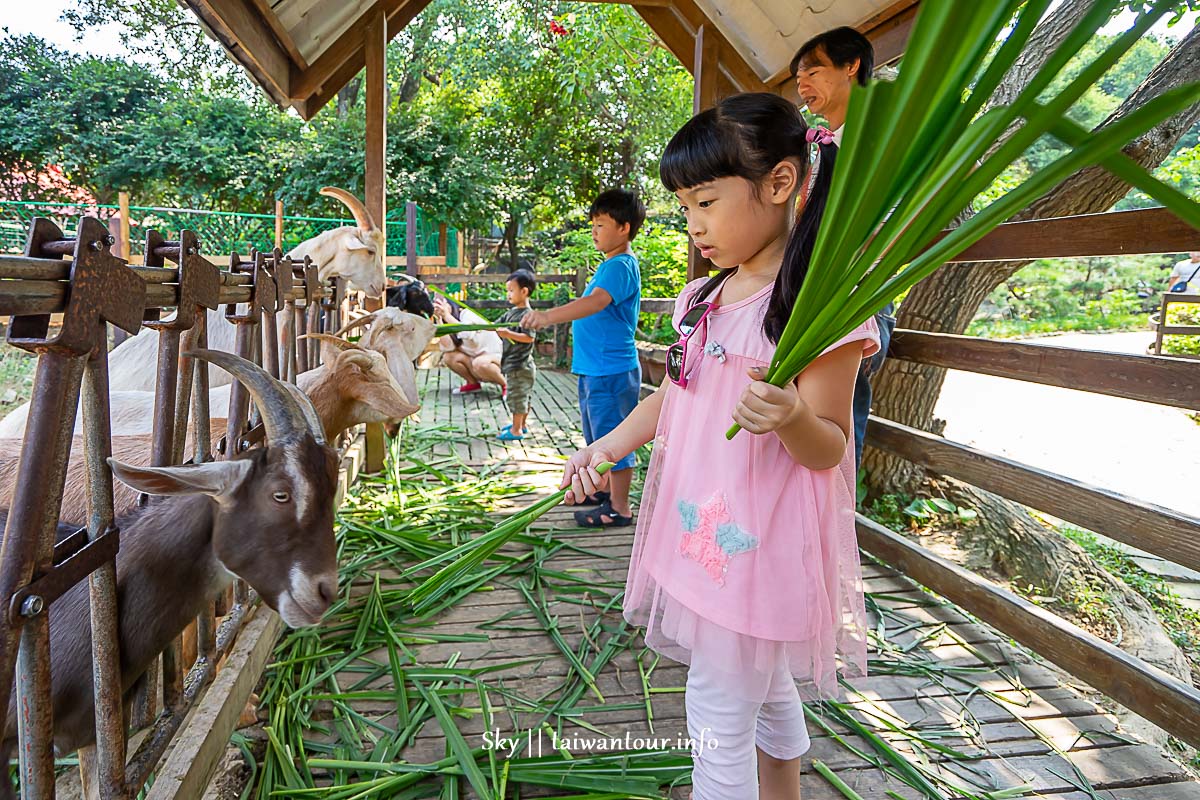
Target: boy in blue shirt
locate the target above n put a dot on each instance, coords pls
(605, 358)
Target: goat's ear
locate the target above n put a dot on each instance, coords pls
(215, 478)
(423, 330)
(355, 242)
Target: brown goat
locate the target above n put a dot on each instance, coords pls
(353, 386)
(265, 516)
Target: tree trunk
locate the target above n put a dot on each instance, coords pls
(948, 299)
(510, 238)
(347, 97)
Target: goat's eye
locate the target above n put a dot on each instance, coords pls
(281, 497)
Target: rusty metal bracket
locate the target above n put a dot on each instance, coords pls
(307, 271)
(332, 301)
(102, 288)
(264, 287)
(280, 270)
(199, 279)
(255, 435)
(73, 561)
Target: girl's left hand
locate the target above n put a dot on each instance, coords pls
(765, 407)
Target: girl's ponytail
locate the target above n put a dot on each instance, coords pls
(799, 249)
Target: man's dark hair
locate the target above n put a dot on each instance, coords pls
(623, 206)
(524, 278)
(842, 46)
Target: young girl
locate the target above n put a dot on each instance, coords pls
(745, 564)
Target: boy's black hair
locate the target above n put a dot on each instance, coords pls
(842, 46)
(623, 206)
(524, 278)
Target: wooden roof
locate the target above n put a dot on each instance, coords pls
(301, 52)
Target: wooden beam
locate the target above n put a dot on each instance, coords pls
(375, 40)
(309, 107)
(328, 87)
(1146, 690)
(668, 27)
(706, 58)
(1151, 379)
(705, 68)
(740, 73)
(888, 31)
(199, 745)
(1161, 531)
(238, 25)
(308, 81)
(1144, 231)
(280, 32)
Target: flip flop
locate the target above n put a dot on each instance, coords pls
(508, 427)
(594, 518)
(507, 435)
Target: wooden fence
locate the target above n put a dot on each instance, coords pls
(1174, 536)
(79, 281)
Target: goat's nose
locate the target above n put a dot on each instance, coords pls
(327, 589)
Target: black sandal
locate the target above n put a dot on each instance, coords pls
(599, 498)
(595, 517)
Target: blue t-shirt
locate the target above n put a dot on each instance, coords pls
(604, 341)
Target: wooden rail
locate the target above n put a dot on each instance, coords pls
(442, 278)
(1152, 379)
(1162, 531)
(1159, 321)
(1115, 233)
(1152, 693)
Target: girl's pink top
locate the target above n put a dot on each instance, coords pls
(741, 555)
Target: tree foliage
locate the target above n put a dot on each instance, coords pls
(516, 110)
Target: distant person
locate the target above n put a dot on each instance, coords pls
(517, 361)
(604, 355)
(1184, 276)
(474, 355)
(827, 68)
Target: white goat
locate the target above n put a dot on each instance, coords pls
(354, 252)
(401, 337)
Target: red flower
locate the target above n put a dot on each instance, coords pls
(557, 29)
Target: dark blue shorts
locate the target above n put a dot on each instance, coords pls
(605, 401)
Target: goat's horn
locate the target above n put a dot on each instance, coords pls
(362, 217)
(359, 357)
(315, 426)
(283, 416)
(336, 341)
(358, 323)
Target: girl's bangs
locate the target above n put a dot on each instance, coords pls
(702, 150)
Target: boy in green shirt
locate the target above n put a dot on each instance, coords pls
(517, 361)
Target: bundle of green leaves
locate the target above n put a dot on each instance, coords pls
(918, 151)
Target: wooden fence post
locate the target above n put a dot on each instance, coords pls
(123, 210)
(279, 224)
(410, 238)
(705, 66)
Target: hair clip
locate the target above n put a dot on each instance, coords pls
(819, 135)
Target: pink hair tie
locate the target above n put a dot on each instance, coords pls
(819, 135)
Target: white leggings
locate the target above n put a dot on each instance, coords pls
(725, 726)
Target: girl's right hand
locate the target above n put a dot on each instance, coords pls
(580, 478)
